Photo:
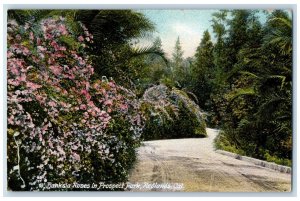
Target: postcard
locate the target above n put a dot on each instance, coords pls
(143, 100)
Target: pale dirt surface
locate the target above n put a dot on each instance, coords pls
(194, 163)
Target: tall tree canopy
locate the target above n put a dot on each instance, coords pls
(202, 70)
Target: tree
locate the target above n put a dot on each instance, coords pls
(257, 117)
(219, 85)
(158, 66)
(203, 70)
(113, 50)
(177, 63)
(150, 68)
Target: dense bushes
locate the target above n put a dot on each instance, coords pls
(63, 127)
(170, 113)
(252, 94)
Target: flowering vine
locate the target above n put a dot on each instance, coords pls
(64, 118)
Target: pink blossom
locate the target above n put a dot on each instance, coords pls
(31, 36)
(76, 156)
(61, 151)
(94, 114)
(9, 54)
(51, 60)
(14, 70)
(22, 78)
(91, 104)
(50, 144)
(62, 28)
(56, 70)
(11, 120)
(87, 85)
(84, 91)
(26, 51)
(111, 84)
(40, 137)
(52, 104)
(123, 106)
(33, 86)
(45, 127)
(74, 147)
(55, 45)
(63, 104)
(42, 56)
(38, 41)
(103, 113)
(103, 91)
(62, 48)
(48, 36)
(86, 94)
(64, 92)
(80, 38)
(13, 82)
(41, 48)
(108, 102)
(59, 55)
(40, 98)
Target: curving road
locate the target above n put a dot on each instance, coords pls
(194, 163)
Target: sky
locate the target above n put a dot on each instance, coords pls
(189, 25)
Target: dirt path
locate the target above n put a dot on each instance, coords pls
(194, 163)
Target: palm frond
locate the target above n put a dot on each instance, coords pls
(146, 50)
(269, 107)
(282, 21)
(249, 74)
(281, 35)
(249, 91)
(280, 77)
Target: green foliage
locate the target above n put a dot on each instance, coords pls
(281, 161)
(177, 55)
(170, 113)
(70, 42)
(252, 98)
(178, 65)
(114, 47)
(222, 142)
(202, 71)
(150, 67)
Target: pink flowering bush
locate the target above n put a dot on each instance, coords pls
(64, 126)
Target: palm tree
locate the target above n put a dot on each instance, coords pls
(281, 35)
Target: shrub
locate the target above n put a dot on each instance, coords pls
(63, 127)
(222, 142)
(170, 113)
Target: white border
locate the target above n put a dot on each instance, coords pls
(135, 4)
